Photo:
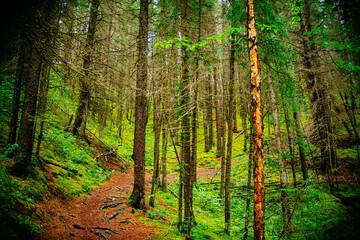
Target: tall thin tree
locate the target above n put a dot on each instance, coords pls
(85, 83)
(257, 121)
(283, 175)
(230, 122)
(185, 122)
(138, 194)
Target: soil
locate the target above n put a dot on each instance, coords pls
(104, 213)
(92, 216)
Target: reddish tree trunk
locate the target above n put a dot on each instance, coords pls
(257, 121)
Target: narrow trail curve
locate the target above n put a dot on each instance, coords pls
(93, 216)
(102, 214)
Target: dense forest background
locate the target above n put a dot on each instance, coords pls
(244, 114)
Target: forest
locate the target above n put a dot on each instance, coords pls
(180, 119)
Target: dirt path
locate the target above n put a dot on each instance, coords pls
(92, 216)
(102, 214)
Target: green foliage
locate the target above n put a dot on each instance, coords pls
(17, 199)
(156, 213)
(183, 41)
(271, 28)
(295, 9)
(63, 148)
(9, 149)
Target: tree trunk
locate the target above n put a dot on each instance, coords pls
(120, 111)
(235, 120)
(209, 107)
(257, 121)
(290, 142)
(193, 160)
(69, 22)
(25, 140)
(244, 107)
(163, 156)
(223, 80)
(283, 175)
(205, 124)
(85, 82)
(185, 123)
(230, 121)
(137, 197)
(248, 200)
(299, 139)
(157, 130)
(217, 99)
(223, 133)
(317, 91)
(350, 112)
(43, 92)
(21, 73)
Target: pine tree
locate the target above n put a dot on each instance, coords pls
(138, 194)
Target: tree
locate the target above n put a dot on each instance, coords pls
(137, 197)
(85, 83)
(208, 113)
(318, 95)
(43, 92)
(41, 17)
(283, 175)
(186, 164)
(21, 73)
(25, 140)
(299, 139)
(258, 152)
(157, 131)
(217, 98)
(230, 122)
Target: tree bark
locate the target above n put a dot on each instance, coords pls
(217, 99)
(235, 120)
(25, 140)
(290, 142)
(244, 112)
(257, 121)
(205, 125)
(230, 121)
(137, 197)
(185, 123)
(69, 22)
(85, 82)
(322, 130)
(209, 107)
(21, 73)
(163, 156)
(248, 200)
(299, 139)
(283, 175)
(157, 130)
(223, 133)
(43, 92)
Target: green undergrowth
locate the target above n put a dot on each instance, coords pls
(18, 219)
(83, 170)
(71, 170)
(316, 214)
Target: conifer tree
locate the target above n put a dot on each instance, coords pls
(256, 116)
(138, 194)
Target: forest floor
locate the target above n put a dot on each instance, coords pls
(103, 213)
